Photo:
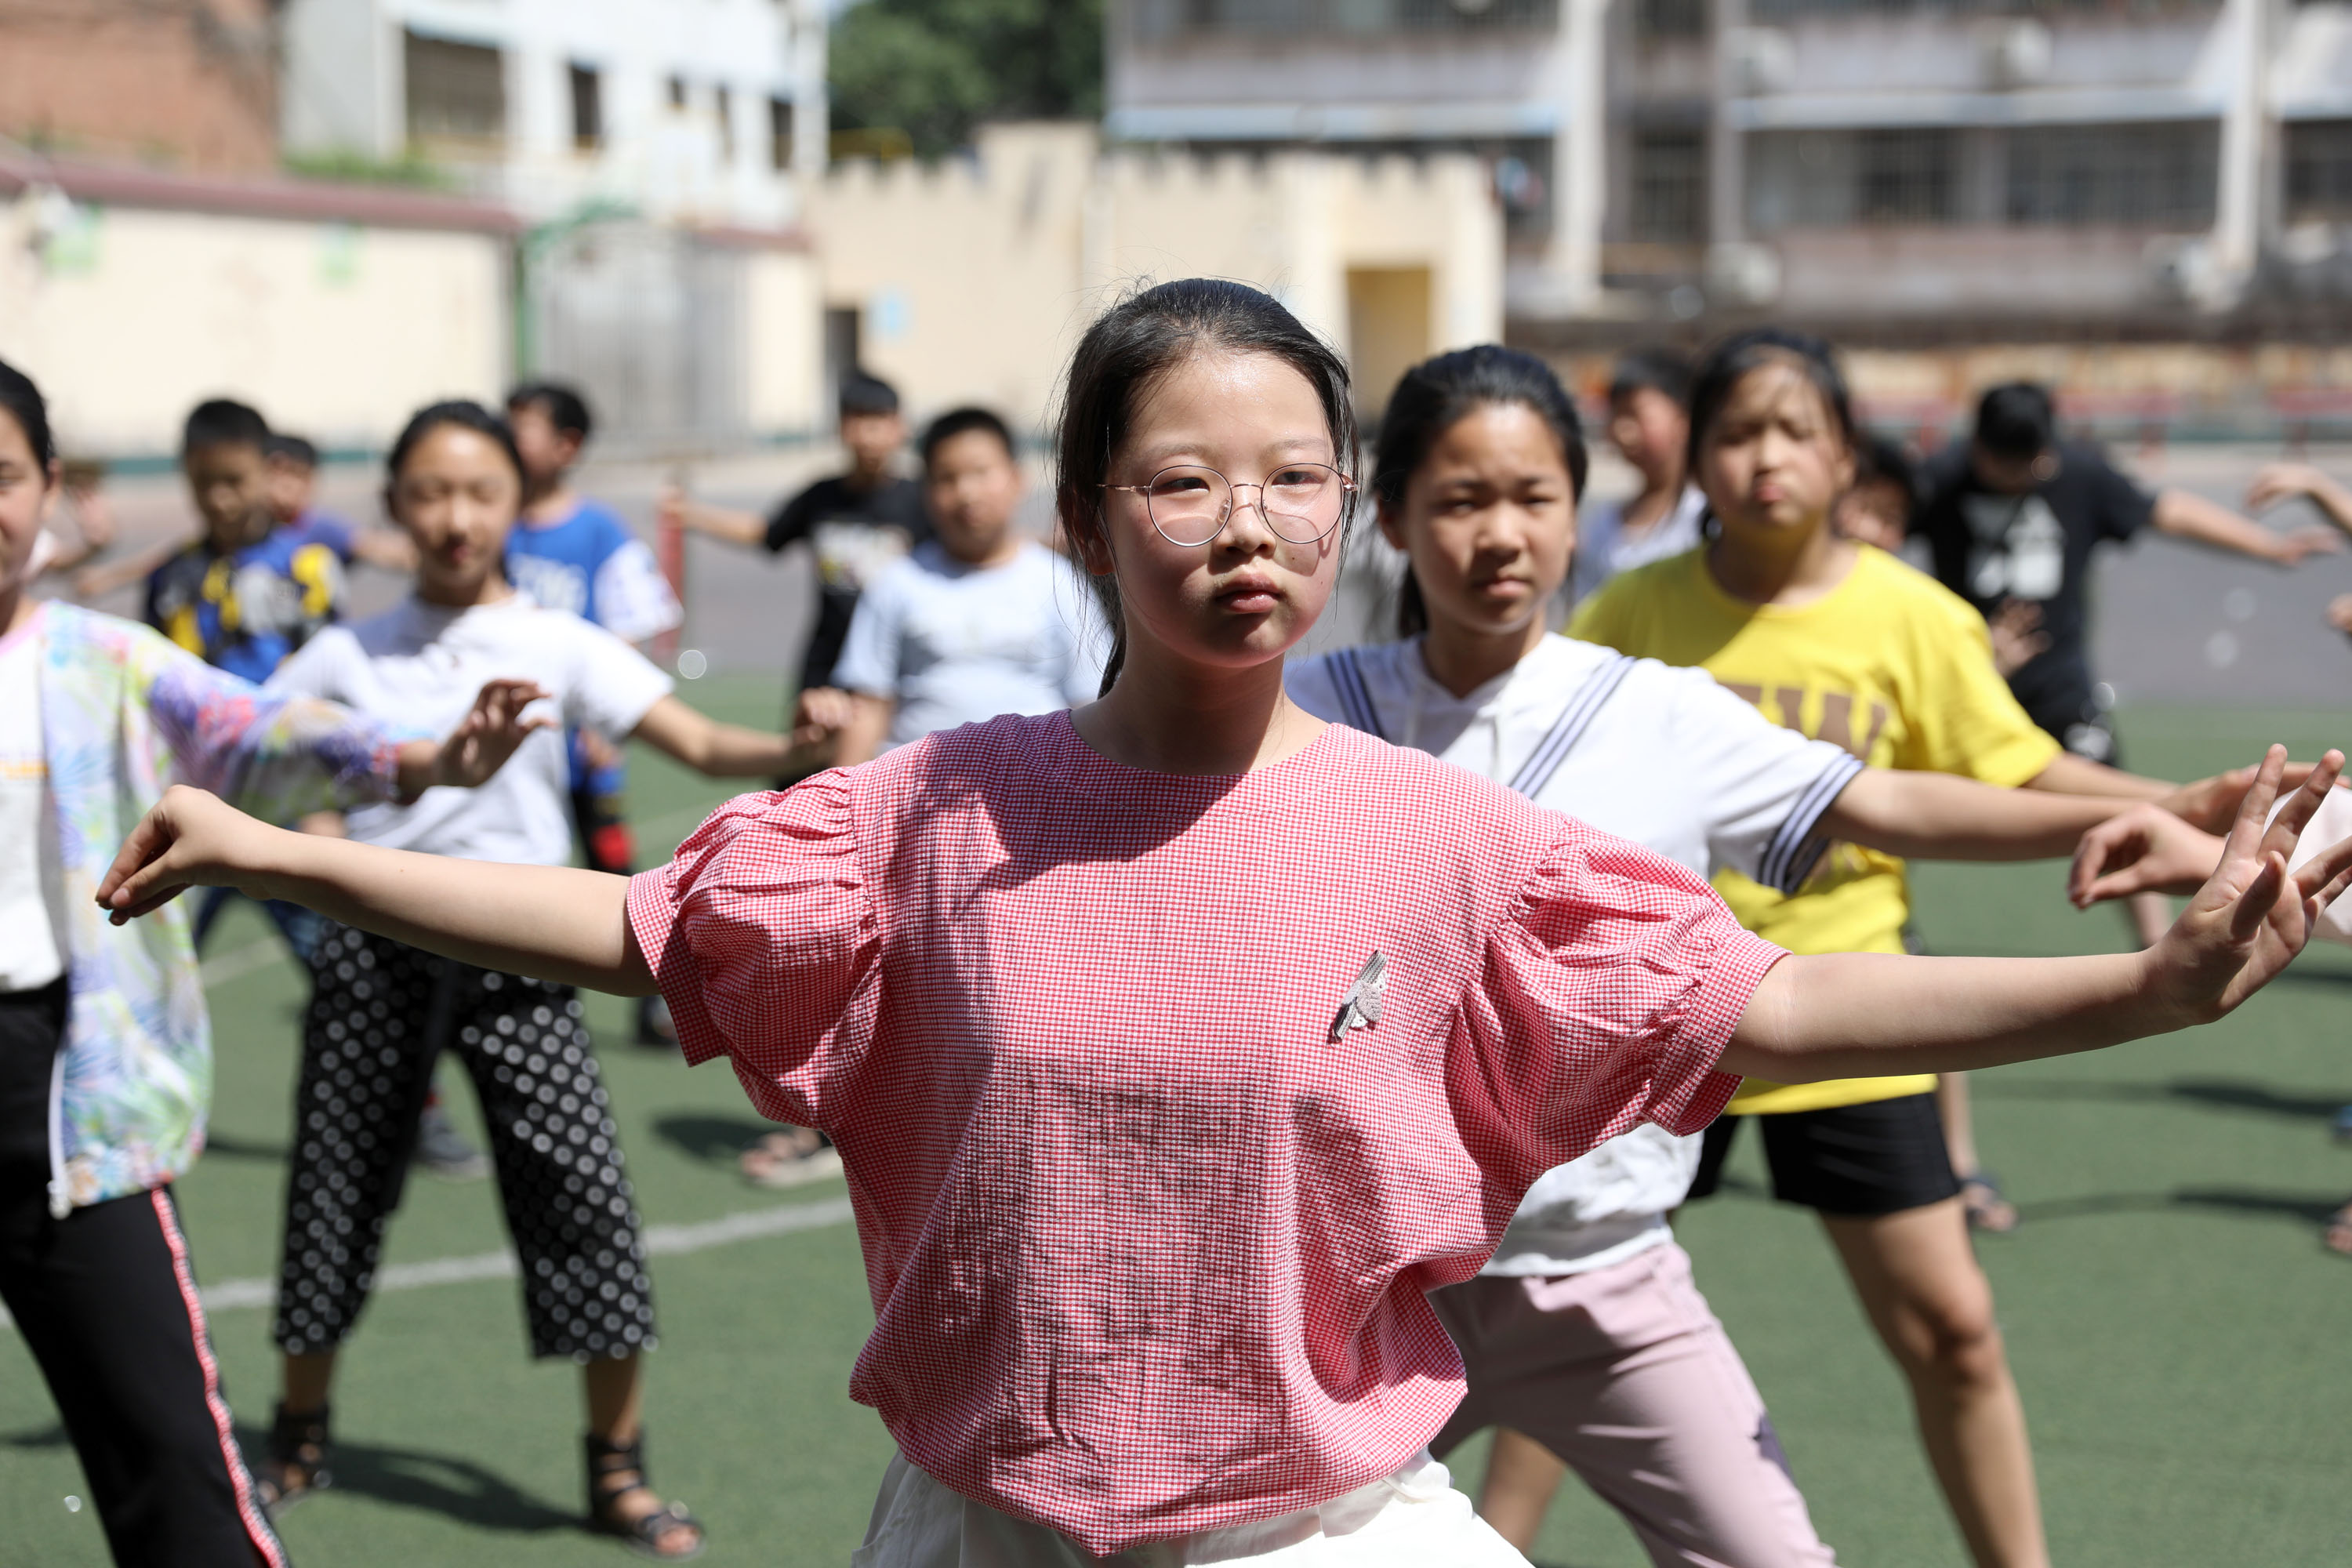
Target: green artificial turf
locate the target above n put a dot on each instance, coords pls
(2175, 1329)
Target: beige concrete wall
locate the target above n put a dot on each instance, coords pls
(334, 330)
(974, 280)
(784, 311)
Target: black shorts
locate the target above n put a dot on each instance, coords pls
(1879, 1158)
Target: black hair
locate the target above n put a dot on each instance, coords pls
(1662, 370)
(1733, 359)
(221, 422)
(564, 407)
(1438, 393)
(22, 401)
(1878, 458)
(957, 422)
(1126, 351)
(292, 448)
(2017, 420)
(862, 393)
(463, 413)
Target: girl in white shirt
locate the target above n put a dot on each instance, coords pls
(383, 1011)
(1584, 1331)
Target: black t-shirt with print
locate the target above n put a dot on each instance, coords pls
(1990, 547)
(854, 534)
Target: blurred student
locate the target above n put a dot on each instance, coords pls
(105, 1050)
(1649, 423)
(382, 1011)
(290, 480)
(1836, 639)
(856, 523)
(2012, 518)
(977, 621)
(572, 553)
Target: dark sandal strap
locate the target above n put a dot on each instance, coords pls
(298, 1450)
(649, 1533)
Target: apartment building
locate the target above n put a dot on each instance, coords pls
(1887, 168)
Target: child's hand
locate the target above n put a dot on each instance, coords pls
(190, 840)
(2211, 804)
(485, 738)
(2146, 849)
(2251, 916)
(2339, 613)
(2279, 483)
(819, 717)
(2017, 636)
(669, 506)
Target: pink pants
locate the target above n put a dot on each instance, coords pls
(1626, 1374)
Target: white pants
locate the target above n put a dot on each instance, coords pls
(1414, 1518)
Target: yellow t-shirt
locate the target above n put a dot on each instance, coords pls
(1890, 664)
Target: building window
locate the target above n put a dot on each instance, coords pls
(456, 92)
(2152, 177)
(587, 109)
(1904, 176)
(1669, 19)
(1669, 180)
(722, 104)
(1153, 19)
(678, 93)
(2318, 170)
(1806, 179)
(779, 133)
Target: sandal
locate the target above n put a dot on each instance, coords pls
(297, 1461)
(2336, 1234)
(1989, 1210)
(616, 1469)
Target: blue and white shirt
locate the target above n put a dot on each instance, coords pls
(592, 566)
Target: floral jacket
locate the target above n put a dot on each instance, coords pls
(125, 714)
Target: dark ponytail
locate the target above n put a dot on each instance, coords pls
(462, 413)
(1126, 352)
(22, 401)
(1438, 393)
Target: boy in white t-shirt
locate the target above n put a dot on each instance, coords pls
(975, 622)
(981, 622)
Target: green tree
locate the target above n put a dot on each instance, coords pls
(935, 68)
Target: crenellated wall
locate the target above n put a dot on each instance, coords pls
(972, 278)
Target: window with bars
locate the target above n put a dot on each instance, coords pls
(587, 108)
(456, 93)
(2318, 170)
(2153, 175)
(1831, 178)
(1669, 175)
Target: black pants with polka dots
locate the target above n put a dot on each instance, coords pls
(381, 1013)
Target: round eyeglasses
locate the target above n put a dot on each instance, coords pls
(1301, 503)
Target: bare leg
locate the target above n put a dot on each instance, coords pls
(1987, 1209)
(309, 1379)
(614, 1390)
(1522, 1475)
(1932, 1306)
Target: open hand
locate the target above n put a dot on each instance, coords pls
(2146, 849)
(187, 839)
(2017, 636)
(490, 732)
(2283, 482)
(2251, 916)
(2297, 545)
(2211, 804)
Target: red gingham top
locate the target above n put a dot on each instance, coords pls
(1146, 1247)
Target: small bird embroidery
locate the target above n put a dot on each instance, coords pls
(1361, 1008)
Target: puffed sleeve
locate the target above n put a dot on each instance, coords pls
(763, 937)
(1607, 996)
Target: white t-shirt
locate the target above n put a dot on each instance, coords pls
(418, 667)
(32, 880)
(954, 644)
(1659, 755)
(1604, 549)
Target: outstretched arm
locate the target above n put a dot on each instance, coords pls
(727, 751)
(2184, 514)
(1941, 817)
(1872, 1014)
(553, 923)
(673, 508)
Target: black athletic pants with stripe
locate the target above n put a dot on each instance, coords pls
(106, 1300)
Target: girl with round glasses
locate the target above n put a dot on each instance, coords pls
(1177, 1045)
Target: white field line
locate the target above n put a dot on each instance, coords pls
(661, 1241)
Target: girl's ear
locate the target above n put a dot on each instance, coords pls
(1093, 550)
(1392, 521)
